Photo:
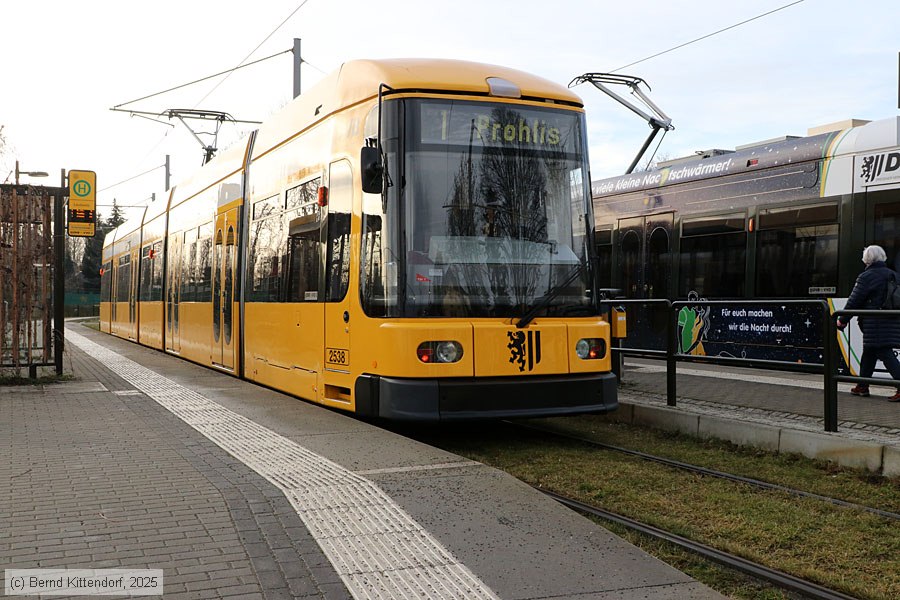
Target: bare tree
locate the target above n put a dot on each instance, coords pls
(3, 147)
(501, 194)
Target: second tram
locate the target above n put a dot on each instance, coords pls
(782, 219)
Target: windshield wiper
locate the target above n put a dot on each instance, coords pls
(552, 293)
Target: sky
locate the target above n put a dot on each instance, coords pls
(65, 64)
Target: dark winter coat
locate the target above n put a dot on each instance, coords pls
(868, 293)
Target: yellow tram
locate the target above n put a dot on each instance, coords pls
(410, 239)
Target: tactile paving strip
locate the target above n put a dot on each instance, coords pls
(378, 550)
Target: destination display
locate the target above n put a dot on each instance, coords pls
(467, 124)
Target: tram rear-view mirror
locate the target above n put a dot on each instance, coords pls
(372, 170)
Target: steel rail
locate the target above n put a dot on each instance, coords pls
(778, 578)
(718, 474)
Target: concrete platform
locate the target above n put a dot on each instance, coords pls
(780, 412)
(147, 461)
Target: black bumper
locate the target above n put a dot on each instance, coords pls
(485, 398)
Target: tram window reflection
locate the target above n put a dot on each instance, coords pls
(105, 281)
(791, 261)
(713, 257)
(146, 273)
(203, 264)
(603, 238)
(887, 223)
(797, 250)
(123, 283)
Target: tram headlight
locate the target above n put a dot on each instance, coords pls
(439, 352)
(448, 352)
(590, 348)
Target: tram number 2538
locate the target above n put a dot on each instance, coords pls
(336, 356)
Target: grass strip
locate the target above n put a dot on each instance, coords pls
(848, 550)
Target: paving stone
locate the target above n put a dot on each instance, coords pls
(105, 480)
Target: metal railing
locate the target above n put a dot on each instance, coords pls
(832, 381)
(828, 368)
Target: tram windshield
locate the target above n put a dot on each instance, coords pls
(484, 216)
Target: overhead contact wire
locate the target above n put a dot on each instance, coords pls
(709, 35)
(280, 25)
(183, 85)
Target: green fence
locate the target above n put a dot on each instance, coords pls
(82, 304)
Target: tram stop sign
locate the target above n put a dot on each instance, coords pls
(82, 214)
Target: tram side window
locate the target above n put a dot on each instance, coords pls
(338, 252)
(106, 281)
(713, 256)
(147, 259)
(151, 273)
(303, 197)
(887, 224)
(304, 260)
(123, 280)
(203, 264)
(266, 208)
(268, 257)
(380, 238)
(189, 267)
(261, 249)
(156, 278)
(304, 268)
(797, 251)
(373, 273)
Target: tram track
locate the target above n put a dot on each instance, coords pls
(764, 485)
(791, 523)
(774, 577)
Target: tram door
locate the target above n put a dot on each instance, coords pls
(173, 291)
(224, 262)
(644, 262)
(338, 321)
(645, 255)
(113, 295)
(133, 294)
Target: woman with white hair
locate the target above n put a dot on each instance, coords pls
(880, 334)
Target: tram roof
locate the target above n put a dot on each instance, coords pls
(158, 205)
(225, 163)
(354, 82)
(873, 136)
(358, 80)
(152, 210)
(122, 231)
